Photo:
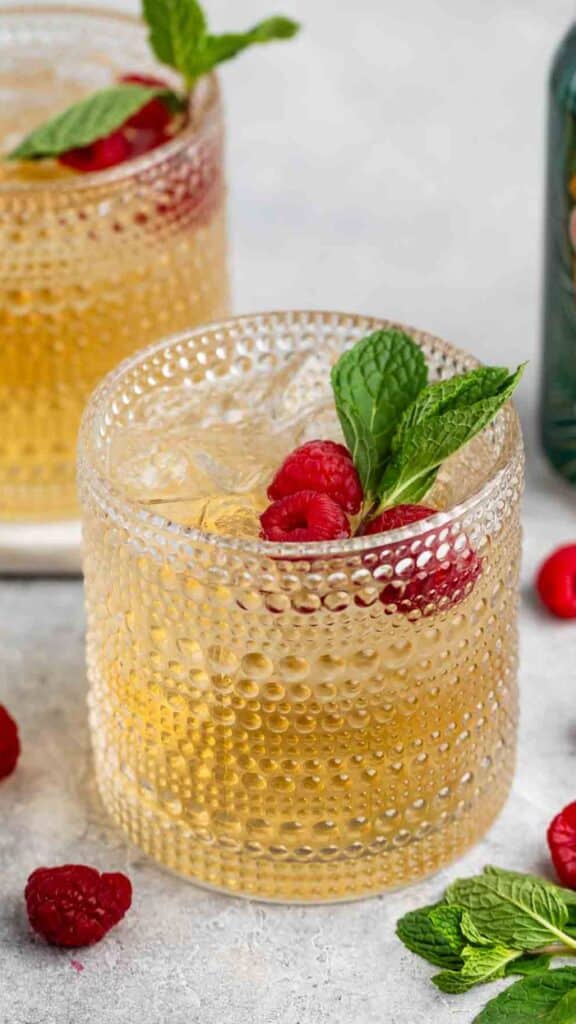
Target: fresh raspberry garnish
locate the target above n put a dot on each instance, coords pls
(103, 153)
(303, 517)
(562, 843)
(321, 466)
(9, 743)
(397, 517)
(74, 905)
(144, 131)
(556, 582)
(439, 584)
(156, 115)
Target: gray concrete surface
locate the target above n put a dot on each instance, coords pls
(390, 163)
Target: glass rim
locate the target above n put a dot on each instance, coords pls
(129, 510)
(129, 168)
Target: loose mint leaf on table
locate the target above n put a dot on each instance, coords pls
(434, 934)
(548, 998)
(374, 383)
(521, 912)
(179, 36)
(86, 121)
(443, 419)
(568, 896)
(471, 932)
(531, 963)
(479, 966)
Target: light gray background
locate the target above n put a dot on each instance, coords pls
(389, 162)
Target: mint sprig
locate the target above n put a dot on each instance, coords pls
(442, 420)
(542, 998)
(374, 383)
(87, 121)
(495, 925)
(399, 429)
(179, 37)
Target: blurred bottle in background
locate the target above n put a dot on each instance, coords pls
(559, 358)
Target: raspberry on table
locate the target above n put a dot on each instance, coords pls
(9, 743)
(304, 516)
(441, 587)
(74, 905)
(562, 845)
(556, 582)
(321, 466)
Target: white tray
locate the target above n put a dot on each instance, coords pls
(40, 548)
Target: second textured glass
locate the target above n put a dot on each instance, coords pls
(91, 265)
(275, 720)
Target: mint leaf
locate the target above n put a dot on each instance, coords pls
(519, 911)
(440, 423)
(480, 965)
(86, 121)
(179, 36)
(470, 931)
(530, 964)
(568, 896)
(548, 998)
(432, 933)
(374, 383)
(446, 922)
(454, 393)
(178, 32)
(225, 47)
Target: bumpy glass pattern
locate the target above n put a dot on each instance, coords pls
(91, 266)
(261, 721)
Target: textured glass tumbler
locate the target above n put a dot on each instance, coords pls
(91, 265)
(265, 719)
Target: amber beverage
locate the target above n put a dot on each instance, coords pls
(270, 719)
(91, 265)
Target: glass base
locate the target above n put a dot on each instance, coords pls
(343, 877)
(42, 549)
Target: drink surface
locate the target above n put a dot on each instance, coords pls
(207, 463)
(89, 273)
(268, 726)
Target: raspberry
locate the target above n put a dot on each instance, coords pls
(556, 582)
(145, 130)
(303, 517)
(321, 466)
(562, 843)
(156, 115)
(103, 153)
(395, 518)
(441, 586)
(9, 743)
(74, 905)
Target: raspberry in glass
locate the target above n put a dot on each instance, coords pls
(322, 466)
(303, 517)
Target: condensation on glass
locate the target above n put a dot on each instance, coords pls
(262, 722)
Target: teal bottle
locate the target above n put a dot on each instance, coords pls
(558, 405)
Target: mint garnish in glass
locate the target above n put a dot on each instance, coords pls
(140, 112)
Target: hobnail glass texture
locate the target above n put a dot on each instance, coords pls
(91, 266)
(262, 722)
